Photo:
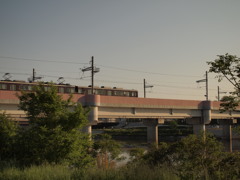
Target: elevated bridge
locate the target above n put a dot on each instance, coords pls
(152, 111)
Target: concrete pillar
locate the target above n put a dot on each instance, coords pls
(152, 129)
(227, 132)
(198, 129)
(92, 101)
(198, 125)
(152, 134)
(87, 129)
(93, 115)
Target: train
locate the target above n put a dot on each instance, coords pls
(15, 85)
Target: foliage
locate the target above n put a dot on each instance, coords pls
(54, 134)
(229, 166)
(194, 155)
(228, 66)
(136, 153)
(8, 131)
(107, 150)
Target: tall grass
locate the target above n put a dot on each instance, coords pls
(47, 172)
(60, 172)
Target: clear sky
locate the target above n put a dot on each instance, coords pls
(167, 42)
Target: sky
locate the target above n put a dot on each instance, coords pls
(166, 42)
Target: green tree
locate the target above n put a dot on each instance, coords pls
(8, 131)
(107, 151)
(54, 134)
(136, 153)
(193, 156)
(228, 66)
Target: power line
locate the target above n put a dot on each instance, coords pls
(109, 81)
(111, 67)
(40, 60)
(146, 72)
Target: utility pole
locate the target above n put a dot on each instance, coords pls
(220, 92)
(146, 86)
(34, 75)
(206, 85)
(205, 80)
(93, 70)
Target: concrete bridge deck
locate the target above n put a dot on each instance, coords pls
(153, 111)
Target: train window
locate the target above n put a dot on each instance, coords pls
(13, 87)
(126, 93)
(61, 90)
(96, 91)
(133, 94)
(25, 87)
(3, 86)
(101, 91)
(109, 93)
(114, 93)
(89, 91)
(70, 90)
(80, 90)
(119, 93)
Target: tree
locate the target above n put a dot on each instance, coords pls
(107, 151)
(228, 66)
(194, 156)
(8, 131)
(54, 134)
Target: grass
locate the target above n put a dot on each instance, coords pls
(60, 172)
(47, 172)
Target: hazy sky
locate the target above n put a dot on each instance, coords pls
(167, 42)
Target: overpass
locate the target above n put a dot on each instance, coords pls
(152, 111)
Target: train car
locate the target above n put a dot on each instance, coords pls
(68, 89)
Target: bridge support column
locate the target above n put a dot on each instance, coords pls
(227, 132)
(152, 129)
(92, 118)
(92, 101)
(199, 122)
(198, 126)
(88, 129)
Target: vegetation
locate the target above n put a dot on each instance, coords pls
(107, 150)
(194, 157)
(228, 67)
(54, 135)
(53, 146)
(60, 172)
(8, 132)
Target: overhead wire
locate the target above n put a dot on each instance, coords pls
(40, 60)
(112, 67)
(146, 72)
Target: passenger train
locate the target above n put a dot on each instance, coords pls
(67, 88)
